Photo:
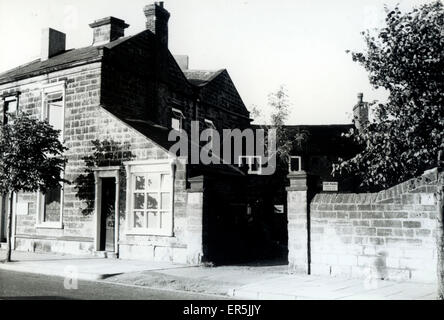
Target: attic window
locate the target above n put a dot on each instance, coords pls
(177, 119)
(254, 164)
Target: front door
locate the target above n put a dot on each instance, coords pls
(107, 216)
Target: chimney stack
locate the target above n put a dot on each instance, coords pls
(157, 21)
(360, 112)
(53, 43)
(182, 60)
(107, 30)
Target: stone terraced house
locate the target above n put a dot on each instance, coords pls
(129, 90)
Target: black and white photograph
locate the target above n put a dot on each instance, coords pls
(221, 154)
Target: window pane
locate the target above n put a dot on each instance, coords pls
(152, 200)
(162, 219)
(165, 182)
(139, 219)
(165, 201)
(175, 123)
(153, 219)
(55, 116)
(52, 205)
(140, 183)
(139, 201)
(153, 181)
(11, 107)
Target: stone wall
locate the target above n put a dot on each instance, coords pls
(81, 107)
(389, 235)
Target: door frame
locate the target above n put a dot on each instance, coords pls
(99, 173)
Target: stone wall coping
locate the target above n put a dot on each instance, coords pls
(426, 183)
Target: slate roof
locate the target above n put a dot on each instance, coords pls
(201, 77)
(61, 61)
(159, 135)
(73, 57)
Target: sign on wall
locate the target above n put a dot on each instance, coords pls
(329, 186)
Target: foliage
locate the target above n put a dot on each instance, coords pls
(30, 155)
(280, 109)
(105, 153)
(406, 58)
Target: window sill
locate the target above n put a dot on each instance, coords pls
(149, 232)
(49, 225)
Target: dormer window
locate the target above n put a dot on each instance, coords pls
(177, 119)
(254, 164)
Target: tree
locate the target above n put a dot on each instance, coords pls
(280, 109)
(279, 104)
(406, 58)
(30, 160)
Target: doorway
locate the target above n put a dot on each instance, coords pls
(106, 211)
(107, 215)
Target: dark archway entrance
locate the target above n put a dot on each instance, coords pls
(241, 222)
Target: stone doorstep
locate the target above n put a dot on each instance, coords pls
(105, 254)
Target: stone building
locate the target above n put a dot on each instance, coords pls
(140, 200)
(129, 91)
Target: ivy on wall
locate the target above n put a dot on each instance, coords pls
(105, 153)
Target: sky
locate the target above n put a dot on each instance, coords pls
(263, 44)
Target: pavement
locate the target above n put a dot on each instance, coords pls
(86, 267)
(262, 282)
(29, 286)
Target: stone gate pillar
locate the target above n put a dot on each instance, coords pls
(298, 223)
(194, 229)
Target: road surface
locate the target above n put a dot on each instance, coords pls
(16, 285)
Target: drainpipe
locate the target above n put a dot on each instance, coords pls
(173, 178)
(440, 226)
(117, 216)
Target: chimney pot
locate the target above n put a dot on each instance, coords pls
(108, 29)
(53, 43)
(360, 112)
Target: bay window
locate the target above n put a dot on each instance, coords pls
(150, 203)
